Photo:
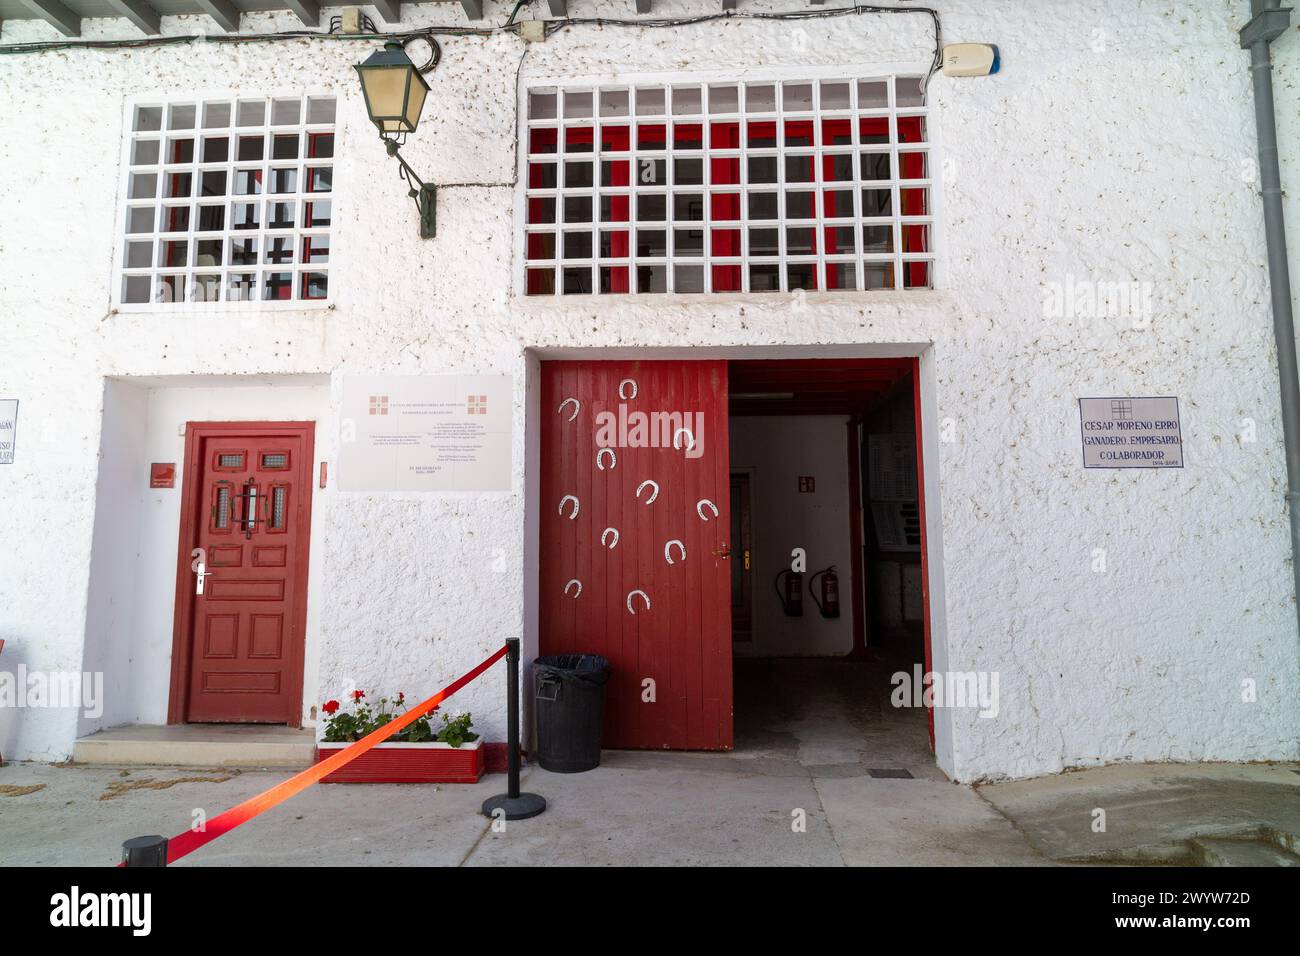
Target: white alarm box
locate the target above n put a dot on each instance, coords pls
(970, 59)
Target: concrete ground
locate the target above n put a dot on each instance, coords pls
(815, 741)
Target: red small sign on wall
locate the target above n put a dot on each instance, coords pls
(162, 474)
(807, 484)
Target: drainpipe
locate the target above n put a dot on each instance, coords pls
(1270, 20)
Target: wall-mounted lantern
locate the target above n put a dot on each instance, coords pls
(395, 93)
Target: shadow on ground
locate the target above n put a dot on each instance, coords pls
(825, 772)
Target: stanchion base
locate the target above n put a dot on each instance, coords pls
(517, 808)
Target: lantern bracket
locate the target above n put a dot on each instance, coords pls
(424, 194)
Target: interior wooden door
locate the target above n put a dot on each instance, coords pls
(241, 633)
(635, 535)
(742, 583)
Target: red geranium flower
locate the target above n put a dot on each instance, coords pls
(432, 711)
(358, 694)
(401, 698)
(330, 706)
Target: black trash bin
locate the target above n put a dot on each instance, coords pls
(570, 691)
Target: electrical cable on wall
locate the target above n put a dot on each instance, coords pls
(551, 27)
(519, 4)
(336, 24)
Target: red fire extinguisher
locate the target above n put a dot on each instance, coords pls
(829, 605)
(791, 592)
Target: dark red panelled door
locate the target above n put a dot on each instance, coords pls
(635, 529)
(249, 496)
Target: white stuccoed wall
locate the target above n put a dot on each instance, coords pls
(1111, 148)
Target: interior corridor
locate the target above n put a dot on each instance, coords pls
(831, 717)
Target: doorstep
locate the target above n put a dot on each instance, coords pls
(199, 745)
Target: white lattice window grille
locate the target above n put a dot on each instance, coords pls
(717, 186)
(227, 200)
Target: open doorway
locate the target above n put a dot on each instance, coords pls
(671, 493)
(828, 586)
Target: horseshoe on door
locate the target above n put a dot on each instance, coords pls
(653, 494)
(631, 594)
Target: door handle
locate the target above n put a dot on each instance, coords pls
(200, 568)
(724, 552)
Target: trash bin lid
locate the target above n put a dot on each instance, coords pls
(588, 667)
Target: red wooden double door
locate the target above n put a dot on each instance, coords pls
(634, 542)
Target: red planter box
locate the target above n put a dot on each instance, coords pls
(409, 763)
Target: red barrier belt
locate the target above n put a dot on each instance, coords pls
(186, 843)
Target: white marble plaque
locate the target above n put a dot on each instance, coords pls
(438, 433)
(8, 429)
(1131, 433)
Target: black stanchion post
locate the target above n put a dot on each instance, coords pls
(517, 806)
(145, 851)
(512, 718)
